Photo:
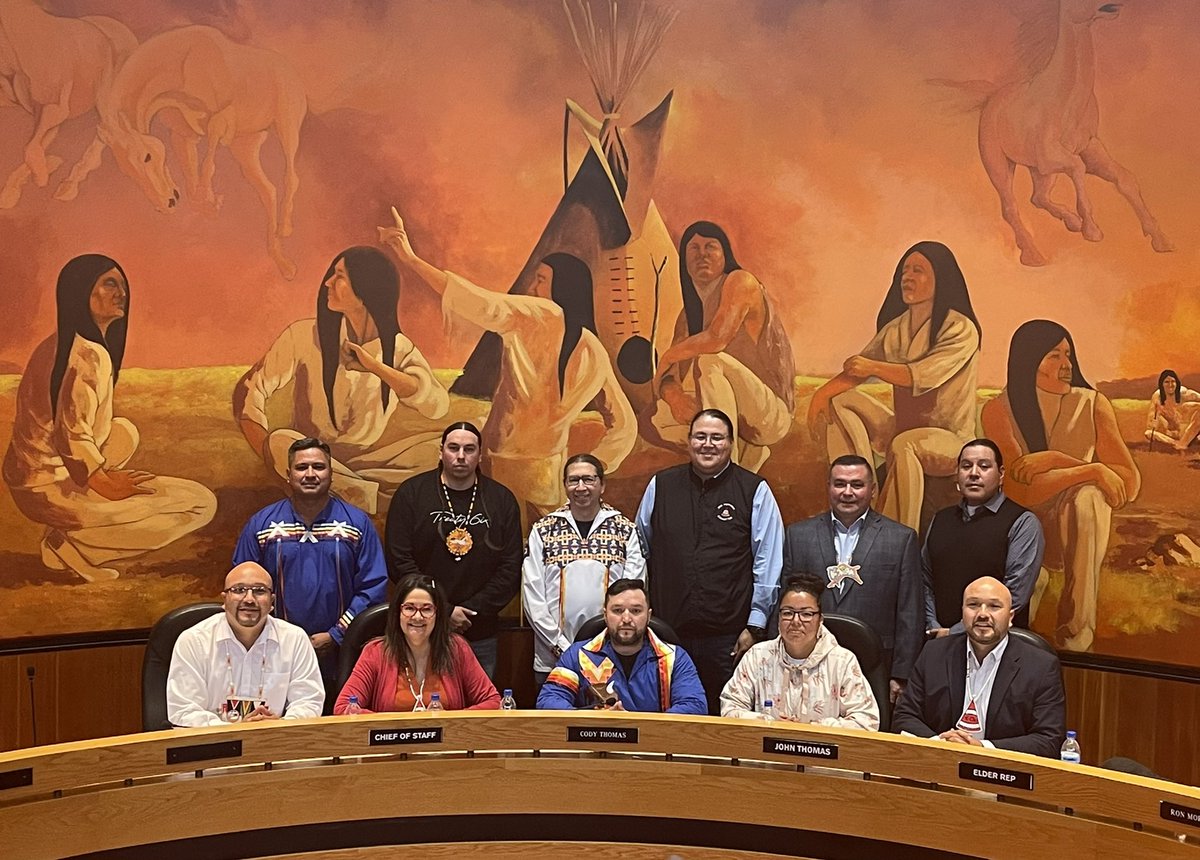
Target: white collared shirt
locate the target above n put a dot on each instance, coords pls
(209, 665)
(845, 540)
(979, 680)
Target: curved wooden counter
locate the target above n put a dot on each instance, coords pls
(513, 784)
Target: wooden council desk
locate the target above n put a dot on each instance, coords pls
(583, 784)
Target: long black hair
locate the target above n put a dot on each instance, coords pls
(480, 496)
(571, 290)
(374, 279)
(1162, 377)
(395, 646)
(949, 290)
(693, 307)
(1030, 343)
(73, 296)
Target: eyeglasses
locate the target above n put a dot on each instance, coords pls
(243, 590)
(410, 610)
(805, 615)
(709, 438)
(582, 480)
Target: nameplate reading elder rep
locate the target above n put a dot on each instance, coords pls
(605, 735)
(1182, 814)
(388, 737)
(995, 775)
(806, 749)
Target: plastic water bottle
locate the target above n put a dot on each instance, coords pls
(507, 702)
(768, 709)
(435, 702)
(1070, 749)
(352, 706)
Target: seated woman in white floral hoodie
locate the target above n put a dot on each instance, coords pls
(803, 671)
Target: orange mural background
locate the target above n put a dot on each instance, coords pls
(811, 131)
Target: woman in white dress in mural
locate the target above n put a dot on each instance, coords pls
(361, 385)
(65, 465)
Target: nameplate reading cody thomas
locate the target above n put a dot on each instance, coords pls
(1182, 814)
(807, 749)
(605, 735)
(995, 775)
(386, 737)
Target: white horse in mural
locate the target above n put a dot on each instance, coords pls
(55, 69)
(1049, 122)
(203, 86)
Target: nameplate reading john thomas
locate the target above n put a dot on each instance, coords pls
(385, 737)
(995, 775)
(807, 749)
(1182, 814)
(602, 735)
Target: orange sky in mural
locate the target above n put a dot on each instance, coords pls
(807, 129)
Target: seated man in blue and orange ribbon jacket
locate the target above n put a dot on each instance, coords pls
(627, 667)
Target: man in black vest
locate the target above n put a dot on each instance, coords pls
(715, 541)
(986, 534)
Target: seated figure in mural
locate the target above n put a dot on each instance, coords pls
(65, 465)
(730, 352)
(1174, 416)
(1066, 462)
(926, 346)
(360, 385)
(551, 367)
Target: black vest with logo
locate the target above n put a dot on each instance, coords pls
(701, 563)
(961, 551)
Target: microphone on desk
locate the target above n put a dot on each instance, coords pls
(30, 671)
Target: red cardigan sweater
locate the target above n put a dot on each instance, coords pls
(375, 677)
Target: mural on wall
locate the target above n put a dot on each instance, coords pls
(366, 221)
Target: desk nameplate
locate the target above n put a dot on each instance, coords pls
(1179, 814)
(806, 749)
(388, 737)
(605, 735)
(995, 775)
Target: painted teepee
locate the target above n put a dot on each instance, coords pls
(607, 216)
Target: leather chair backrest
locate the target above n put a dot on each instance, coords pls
(594, 625)
(368, 624)
(157, 661)
(856, 636)
(1031, 638)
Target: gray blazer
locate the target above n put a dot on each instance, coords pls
(889, 601)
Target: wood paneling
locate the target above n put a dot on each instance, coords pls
(77, 694)
(1150, 720)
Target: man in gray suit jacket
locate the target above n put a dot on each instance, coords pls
(872, 563)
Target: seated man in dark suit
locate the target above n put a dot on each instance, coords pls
(872, 563)
(985, 688)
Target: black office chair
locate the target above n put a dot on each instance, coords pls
(368, 624)
(157, 660)
(1031, 638)
(594, 625)
(853, 634)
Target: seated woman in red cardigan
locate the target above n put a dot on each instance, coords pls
(416, 657)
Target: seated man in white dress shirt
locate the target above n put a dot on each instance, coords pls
(243, 664)
(985, 687)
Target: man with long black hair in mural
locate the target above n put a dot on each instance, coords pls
(926, 346)
(1067, 462)
(730, 352)
(1174, 416)
(552, 366)
(66, 463)
(360, 384)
